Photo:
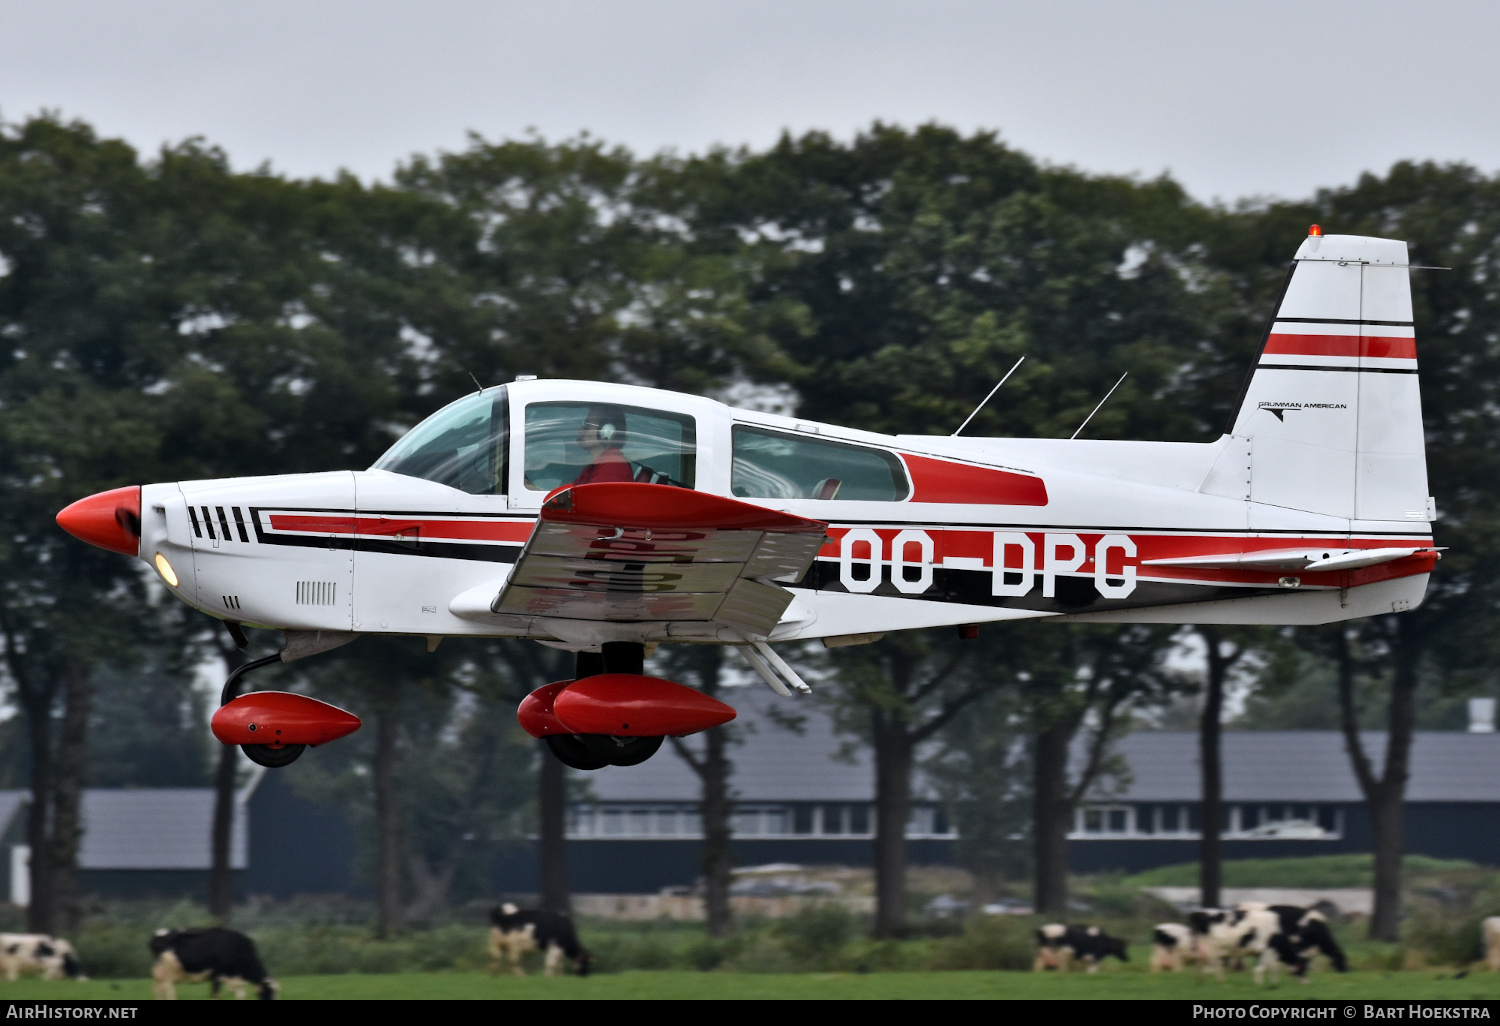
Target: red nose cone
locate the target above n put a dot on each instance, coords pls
(110, 520)
(629, 705)
(276, 718)
(536, 715)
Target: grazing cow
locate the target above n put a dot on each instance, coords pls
(1058, 945)
(210, 953)
(37, 954)
(1491, 928)
(1172, 945)
(1226, 935)
(513, 932)
(1307, 930)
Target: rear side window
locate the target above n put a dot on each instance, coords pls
(778, 465)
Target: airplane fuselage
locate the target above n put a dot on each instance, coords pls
(951, 531)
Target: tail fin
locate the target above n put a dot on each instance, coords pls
(1332, 413)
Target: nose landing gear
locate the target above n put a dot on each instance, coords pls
(274, 728)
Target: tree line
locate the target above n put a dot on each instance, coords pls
(168, 318)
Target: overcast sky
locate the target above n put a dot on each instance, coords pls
(1232, 99)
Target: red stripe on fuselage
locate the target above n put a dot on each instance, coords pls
(425, 529)
(941, 481)
(1353, 346)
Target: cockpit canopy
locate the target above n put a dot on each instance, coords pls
(464, 445)
(566, 432)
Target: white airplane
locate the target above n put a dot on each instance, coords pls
(608, 519)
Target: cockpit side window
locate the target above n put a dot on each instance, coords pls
(465, 445)
(573, 442)
(779, 465)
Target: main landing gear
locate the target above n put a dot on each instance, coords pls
(595, 751)
(611, 714)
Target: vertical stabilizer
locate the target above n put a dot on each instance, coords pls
(1332, 413)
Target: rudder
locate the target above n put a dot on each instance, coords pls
(1332, 414)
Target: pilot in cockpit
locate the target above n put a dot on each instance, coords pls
(602, 436)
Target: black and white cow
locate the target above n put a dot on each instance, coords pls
(515, 931)
(1057, 946)
(1275, 935)
(1307, 930)
(1227, 935)
(37, 954)
(210, 953)
(1173, 945)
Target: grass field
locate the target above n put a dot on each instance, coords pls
(1107, 985)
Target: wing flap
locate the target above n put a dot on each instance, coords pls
(783, 557)
(753, 607)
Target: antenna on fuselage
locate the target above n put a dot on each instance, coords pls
(475, 380)
(987, 398)
(1097, 408)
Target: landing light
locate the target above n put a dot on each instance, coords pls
(165, 569)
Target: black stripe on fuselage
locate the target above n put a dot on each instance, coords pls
(502, 552)
(1074, 593)
(497, 553)
(839, 523)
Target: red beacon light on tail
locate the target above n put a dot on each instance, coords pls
(1314, 230)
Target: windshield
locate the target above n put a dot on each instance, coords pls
(463, 445)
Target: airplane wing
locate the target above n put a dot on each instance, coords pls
(643, 552)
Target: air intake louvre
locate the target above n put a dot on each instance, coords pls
(316, 593)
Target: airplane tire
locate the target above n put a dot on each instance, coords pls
(621, 751)
(265, 755)
(570, 751)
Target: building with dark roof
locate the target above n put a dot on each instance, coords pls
(135, 841)
(156, 842)
(1287, 793)
(802, 794)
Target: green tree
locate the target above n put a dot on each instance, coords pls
(1079, 683)
(76, 315)
(896, 694)
(1451, 217)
